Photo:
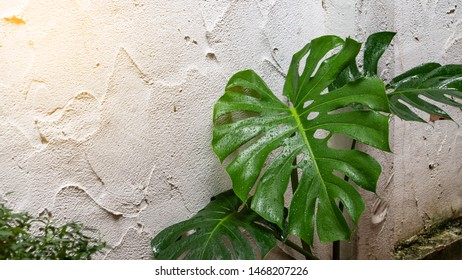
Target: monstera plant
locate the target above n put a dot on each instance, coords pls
(267, 146)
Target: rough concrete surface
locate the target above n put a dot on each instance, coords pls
(105, 108)
(422, 180)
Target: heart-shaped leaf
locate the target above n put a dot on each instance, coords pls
(270, 136)
(220, 231)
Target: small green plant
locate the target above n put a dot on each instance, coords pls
(23, 237)
(268, 146)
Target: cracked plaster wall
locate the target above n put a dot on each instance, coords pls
(105, 108)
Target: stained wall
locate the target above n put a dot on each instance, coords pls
(422, 179)
(105, 107)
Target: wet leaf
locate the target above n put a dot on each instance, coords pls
(264, 141)
(216, 232)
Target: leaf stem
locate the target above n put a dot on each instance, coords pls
(294, 183)
(336, 245)
(275, 231)
(307, 254)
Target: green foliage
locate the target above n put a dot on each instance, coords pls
(265, 143)
(289, 135)
(216, 233)
(432, 81)
(24, 237)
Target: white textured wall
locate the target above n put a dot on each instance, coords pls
(105, 106)
(422, 181)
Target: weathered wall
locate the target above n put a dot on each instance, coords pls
(422, 180)
(105, 108)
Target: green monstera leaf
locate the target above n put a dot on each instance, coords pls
(375, 46)
(263, 140)
(417, 89)
(433, 81)
(216, 232)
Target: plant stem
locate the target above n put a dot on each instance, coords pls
(336, 245)
(275, 231)
(294, 183)
(307, 254)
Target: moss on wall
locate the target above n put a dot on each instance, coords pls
(439, 241)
